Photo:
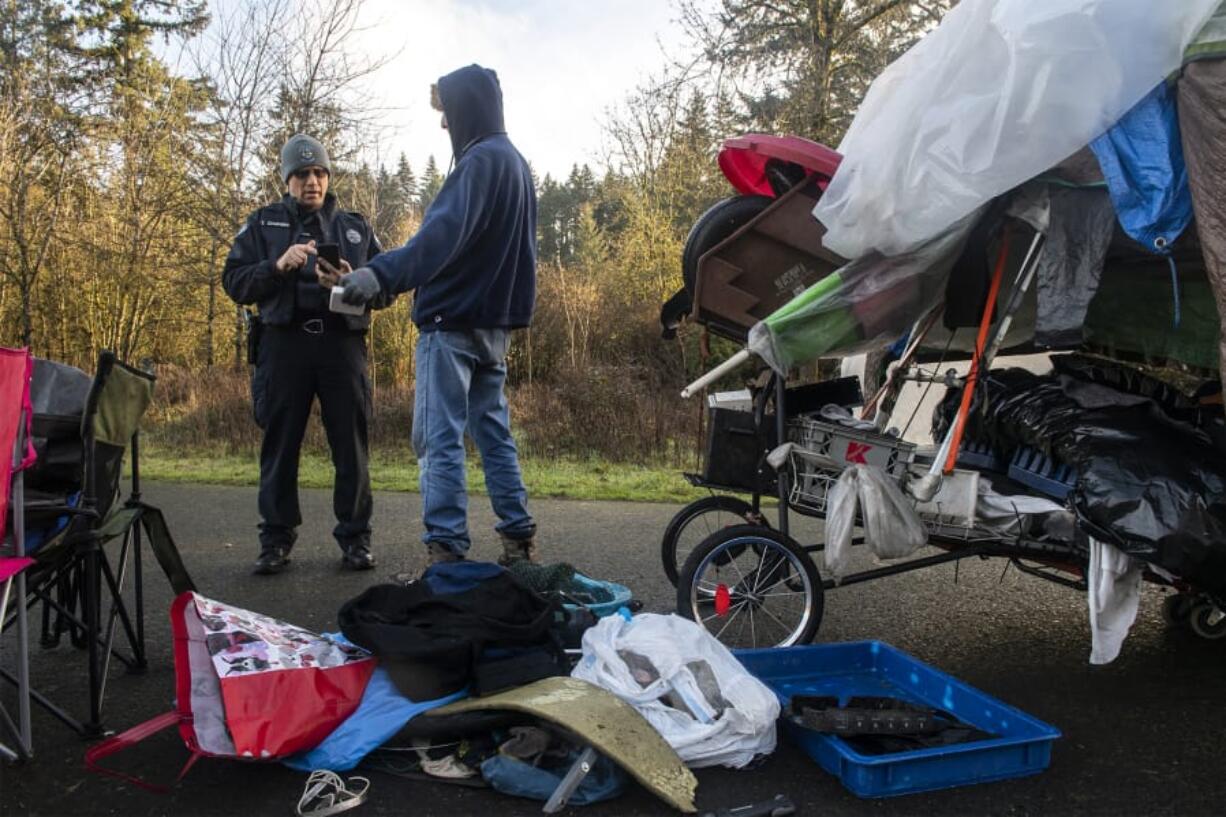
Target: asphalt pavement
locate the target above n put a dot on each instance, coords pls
(1141, 736)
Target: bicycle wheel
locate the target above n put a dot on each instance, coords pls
(694, 523)
(751, 586)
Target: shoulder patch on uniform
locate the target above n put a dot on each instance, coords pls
(242, 230)
(354, 236)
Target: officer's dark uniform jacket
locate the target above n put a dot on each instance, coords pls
(250, 276)
(305, 352)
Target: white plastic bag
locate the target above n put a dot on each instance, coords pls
(704, 703)
(892, 529)
(1002, 90)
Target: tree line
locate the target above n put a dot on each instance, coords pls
(136, 135)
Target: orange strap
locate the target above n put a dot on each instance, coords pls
(972, 377)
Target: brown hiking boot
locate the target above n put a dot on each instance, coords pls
(440, 553)
(517, 550)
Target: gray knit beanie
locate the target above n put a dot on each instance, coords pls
(302, 151)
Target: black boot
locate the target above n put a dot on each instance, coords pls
(271, 560)
(358, 557)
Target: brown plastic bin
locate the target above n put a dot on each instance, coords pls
(763, 265)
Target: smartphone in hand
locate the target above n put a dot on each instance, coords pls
(330, 253)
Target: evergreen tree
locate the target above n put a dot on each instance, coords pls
(406, 183)
(431, 183)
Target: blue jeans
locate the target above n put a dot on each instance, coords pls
(460, 377)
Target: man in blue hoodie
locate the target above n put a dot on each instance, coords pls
(473, 266)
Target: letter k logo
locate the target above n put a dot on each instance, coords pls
(856, 452)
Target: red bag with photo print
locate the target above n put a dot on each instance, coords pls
(249, 686)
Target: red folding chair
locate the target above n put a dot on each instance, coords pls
(16, 367)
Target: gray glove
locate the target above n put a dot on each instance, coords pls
(361, 286)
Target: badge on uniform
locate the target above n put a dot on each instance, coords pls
(354, 236)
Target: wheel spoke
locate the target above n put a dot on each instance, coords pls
(788, 595)
(737, 606)
(731, 619)
(784, 580)
(787, 631)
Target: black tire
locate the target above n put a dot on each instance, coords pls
(1177, 609)
(708, 515)
(1208, 622)
(785, 563)
(721, 220)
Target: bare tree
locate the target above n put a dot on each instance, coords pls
(320, 90)
(243, 55)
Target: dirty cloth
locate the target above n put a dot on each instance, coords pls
(1202, 119)
(1114, 585)
(509, 775)
(1022, 514)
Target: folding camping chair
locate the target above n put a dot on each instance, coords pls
(15, 369)
(80, 516)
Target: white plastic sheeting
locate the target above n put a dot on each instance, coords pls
(1001, 91)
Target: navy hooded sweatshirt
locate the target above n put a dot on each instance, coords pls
(473, 261)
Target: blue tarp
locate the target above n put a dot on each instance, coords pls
(382, 713)
(1142, 160)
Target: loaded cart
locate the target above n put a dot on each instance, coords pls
(1104, 472)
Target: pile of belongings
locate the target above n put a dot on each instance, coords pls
(1115, 154)
(459, 676)
(1147, 476)
(1145, 469)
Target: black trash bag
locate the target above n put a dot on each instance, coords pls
(1154, 488)
(1148, 482)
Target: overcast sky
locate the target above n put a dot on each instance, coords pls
(562, 64)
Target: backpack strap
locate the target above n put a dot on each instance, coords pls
(131, 737)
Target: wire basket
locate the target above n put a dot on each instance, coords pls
(836, 447)
(823, 450)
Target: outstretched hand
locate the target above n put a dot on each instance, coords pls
(361, 286)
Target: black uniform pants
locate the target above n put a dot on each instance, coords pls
(295, 365)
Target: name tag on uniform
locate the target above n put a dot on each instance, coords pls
(284, 224)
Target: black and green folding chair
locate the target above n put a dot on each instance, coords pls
(88, 571)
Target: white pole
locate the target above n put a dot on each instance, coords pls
(715, 374)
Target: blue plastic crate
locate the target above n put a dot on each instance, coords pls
(979, 455)
(1031, 468)
(1022, 746)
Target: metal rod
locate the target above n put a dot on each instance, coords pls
(139, 589)
(715, 374)
(574, 777)
(927, 486)
(906, 567)
(23, 623)
(781, 428)
(42, 700)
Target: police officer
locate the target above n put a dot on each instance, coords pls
(302, 350)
